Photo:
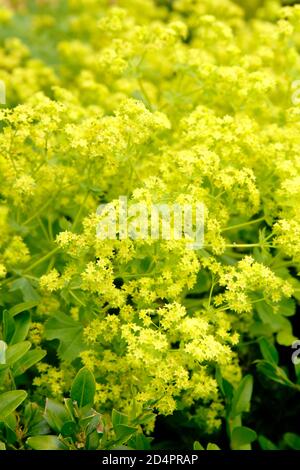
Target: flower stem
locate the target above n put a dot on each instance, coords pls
(245, 224)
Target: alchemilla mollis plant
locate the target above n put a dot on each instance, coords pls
(105, 341)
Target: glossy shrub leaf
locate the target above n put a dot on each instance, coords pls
(3, 371)
(292, 440)
(242, 396)
(3, 348)
(266, 444)
(242, 436)
(70, 409)
(197, 446)
(68, 428)
(92, 441)
(268, 351)
(225, 386)
(124, 432)
(118, 418)
(45, 443)
(91, 422)
(28, 360)
(55, 414)
(141, 442)
(9, 401)
(22, 307)
(94, 424)
(21, 327)
(83, 388)
(211, 446)
(16, 351)
(10, 423)
(8, 326)
(34, 420)
(275, 373)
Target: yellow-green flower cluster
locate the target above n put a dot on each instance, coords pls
(182, 102)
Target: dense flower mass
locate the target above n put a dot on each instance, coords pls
(177, 102)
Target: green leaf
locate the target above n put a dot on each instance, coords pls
(55, 414)
(70, 410)
(68, 332)
(265, 312)
(285, 338)
(91, 422)
(15, 329)
(9, 401)
(277, 322)
(25, 286)
(141, 442)
(225, 386)
(268, 351)
(242, 436)
(45, 443)
(144, 419)
(297, 371)
(118, 418)
(197, 446)
(3, 348)
(257, 329)
(27, 361)
(22, 324)
(242, 396)
(10, 424)
(34, 421)
(266, 444)
(124, 432)
(68, 428)
(24, 306)
(287, 307)
(83, 388)
(274, 373)
(3, 371)
(211, 446)
(8, 326)
(274, 320)
(292, 440)
(2, 446)
(16, 351)
(64, 224)
(92, 441)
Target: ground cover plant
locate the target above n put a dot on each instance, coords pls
(147, 343)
